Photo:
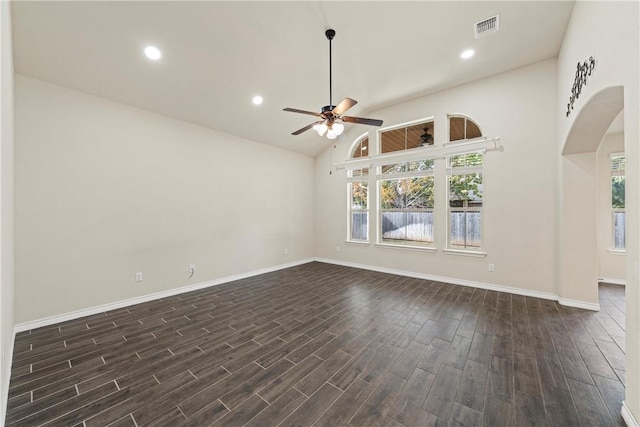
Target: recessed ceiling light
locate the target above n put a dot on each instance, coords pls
(257, 100)
(152, 53)
(467, 54)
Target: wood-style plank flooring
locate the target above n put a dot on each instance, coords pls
(326, 345)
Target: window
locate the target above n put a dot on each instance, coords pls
(359, 195)
(406, 203)
(461, 127)
(406, 190)
(361, 149)
(359, 210)
(464, 174)
(618, 200)
(406, 137)
(407, 175)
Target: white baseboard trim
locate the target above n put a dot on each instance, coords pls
(612, 281)
(473, 284)
(34, 324)
(579, 304)
(627, 416)
(451, 280)
(26, 326)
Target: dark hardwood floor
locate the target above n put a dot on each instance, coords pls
(326, 345)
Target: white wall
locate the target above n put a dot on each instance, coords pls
(578, 240)
(104, 190)
(6, 204)
(611, 264)
(609, 31)
(519, 184)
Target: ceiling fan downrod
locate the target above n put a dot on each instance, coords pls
(331, 116)
(330, 33)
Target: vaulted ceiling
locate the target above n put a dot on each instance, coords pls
(217, 55)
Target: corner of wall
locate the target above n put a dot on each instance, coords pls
(6, 205)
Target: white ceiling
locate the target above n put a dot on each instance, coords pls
(218, 55)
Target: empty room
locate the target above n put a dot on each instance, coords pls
(319, 213)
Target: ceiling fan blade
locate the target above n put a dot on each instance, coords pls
(344, 106)
(295, 110)
(361, 120)
(306, 128)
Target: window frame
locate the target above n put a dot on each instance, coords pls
(615, 211)
(460, 171)
(439, 152)
(467, 119)
(353, 210)
(426, 120)
(416, 154)
(362, 178)
(380, 177)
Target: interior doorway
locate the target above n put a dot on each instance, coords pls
(587, 247)
(611, 204)
(579, 269)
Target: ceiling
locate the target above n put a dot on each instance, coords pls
(218, 55)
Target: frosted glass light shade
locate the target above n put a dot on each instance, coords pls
(321, 128)
(338, 128)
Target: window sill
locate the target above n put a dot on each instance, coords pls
(617, 251)
(358, 242)
(407, 247)
(461, 252)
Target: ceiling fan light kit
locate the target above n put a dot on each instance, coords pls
(331, 115)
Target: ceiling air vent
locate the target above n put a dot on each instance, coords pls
(487, 26)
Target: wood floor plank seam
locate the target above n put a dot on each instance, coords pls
(326, 345)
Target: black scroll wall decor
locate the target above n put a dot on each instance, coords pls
(583, 71)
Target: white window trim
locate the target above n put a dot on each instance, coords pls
(443, 151)
(464, 116)
(465, 171)
(465, 141)
(617, 251)
(357, 179)
(403, 175)
(612, 249)
(465, 252)
(350, 210)
(358, 141)
(480, 145)
(430, 119)
(430, 248)
(358, 242)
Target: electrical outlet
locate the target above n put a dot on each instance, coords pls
(492, 267)
(337, 248)
(192, 268)
(139, 276)
(286, 251)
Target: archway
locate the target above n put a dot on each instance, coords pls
(593, 121)
(578, 248)
(578, 284)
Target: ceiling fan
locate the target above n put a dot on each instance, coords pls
(331, 115)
